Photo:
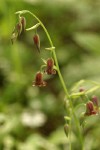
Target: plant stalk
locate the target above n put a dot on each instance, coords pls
(59, 74)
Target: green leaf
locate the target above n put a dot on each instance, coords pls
(92, 89)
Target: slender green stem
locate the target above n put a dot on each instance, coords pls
(70, 126)
(79, 129)
(59, 73)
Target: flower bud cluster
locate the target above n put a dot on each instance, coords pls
(19, 28)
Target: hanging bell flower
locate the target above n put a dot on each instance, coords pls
(23, 22)
(90, 110)
(36, 40)
(39, 80)
(50, 67)
(19, 28)
(16, 32)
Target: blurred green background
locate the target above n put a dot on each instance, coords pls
(32, 118)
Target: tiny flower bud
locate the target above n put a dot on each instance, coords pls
(81, 89)
(36, 40)
(39, 80)
(19, 28)
(23, 22)
(66, 129)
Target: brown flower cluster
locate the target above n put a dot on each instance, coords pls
(18, 29)
(92, 107)
(49, 64)
(49, 70)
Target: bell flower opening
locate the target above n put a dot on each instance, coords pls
(50, 67)
(39, 80)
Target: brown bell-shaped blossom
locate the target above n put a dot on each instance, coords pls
(39, 80)
(36, 40)
(19, 28)
(90, 110)
(23, 22)
(50, 67)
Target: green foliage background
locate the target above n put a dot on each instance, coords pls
(32, 118)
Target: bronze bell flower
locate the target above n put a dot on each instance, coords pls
(39, 80)
(50, 67)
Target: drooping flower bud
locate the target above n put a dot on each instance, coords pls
(90, 109)
(50, 63)
(39, 80)
(81, 89)
(23, 22)
(50, 66)
(36, 40)
(14, 37)
(66, 129)
(19, 28)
